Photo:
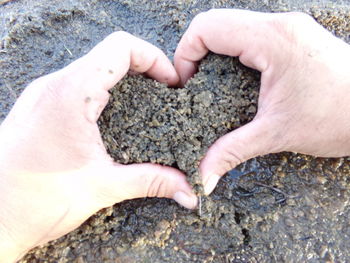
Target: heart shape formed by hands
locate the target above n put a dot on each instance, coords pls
(146, 121)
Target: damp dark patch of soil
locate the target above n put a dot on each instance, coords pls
(278, 208)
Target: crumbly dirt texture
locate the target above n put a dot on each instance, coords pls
(277, 208)
(146, 121)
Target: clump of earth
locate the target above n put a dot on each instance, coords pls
(146, 121)
(278, 208)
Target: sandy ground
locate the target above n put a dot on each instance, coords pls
(279, 208)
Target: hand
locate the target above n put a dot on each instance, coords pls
(55, 171)
(305, 85)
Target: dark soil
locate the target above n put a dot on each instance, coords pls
(278, 208)
(146, 121)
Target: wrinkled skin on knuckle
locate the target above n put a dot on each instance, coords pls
(200, 21)
(298, 26)
(282, 25)
(277, 127)
(233, 159)
(152, 183)
(157, 187)
(230, 157)
(120, 40)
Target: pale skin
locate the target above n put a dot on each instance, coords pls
(55, 171)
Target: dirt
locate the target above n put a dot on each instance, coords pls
(277, 208)
(146, 121)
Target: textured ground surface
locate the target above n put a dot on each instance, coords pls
(279, 208)
(146, 121)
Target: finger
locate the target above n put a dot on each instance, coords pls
(85, 82)
(111, 59)
(124, 182)
(253, 139)
(225, 31)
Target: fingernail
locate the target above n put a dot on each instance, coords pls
(188, 201)
(211, 183)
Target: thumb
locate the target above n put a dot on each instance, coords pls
(125, 182)
(226, 153)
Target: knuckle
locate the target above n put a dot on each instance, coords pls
(234, 159)
(229, 155)
(59, 81)
(212, 12)
(43, 97)
(193, 35)
(152, 179)
(208, 17)
(201, 18)
(119, 36)
(296, 19)
(47, 84)
(156, 187)
(293, 27)
(299, 16)
(58, 87)
(191, 41)
(40, 82)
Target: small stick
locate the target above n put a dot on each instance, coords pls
(275, 189)
(69, 52)
(271, 188)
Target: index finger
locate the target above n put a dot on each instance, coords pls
(111, 59)
(228, 32)
(84, 83)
